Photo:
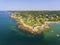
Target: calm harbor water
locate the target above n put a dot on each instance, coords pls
(11, 35)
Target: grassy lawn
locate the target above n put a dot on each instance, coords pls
(39, 23)
(31, 23)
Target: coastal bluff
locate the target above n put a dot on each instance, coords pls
(33, 30)
(35, 22)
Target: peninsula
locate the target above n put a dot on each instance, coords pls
(35, 22)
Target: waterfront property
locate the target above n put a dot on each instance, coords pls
(35, 22)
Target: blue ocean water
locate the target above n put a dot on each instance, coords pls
(11, 35)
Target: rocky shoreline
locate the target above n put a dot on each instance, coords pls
(36, 30)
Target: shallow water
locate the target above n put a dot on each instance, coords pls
(11, 35)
